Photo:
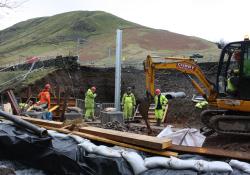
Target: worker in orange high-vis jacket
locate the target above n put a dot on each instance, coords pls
(44, 97)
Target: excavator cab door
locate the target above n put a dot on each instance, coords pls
(244, 81)
(234, 70)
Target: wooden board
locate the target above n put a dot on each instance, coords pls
(43, 122)
(211, 152)
(131, 138)
(109, 141)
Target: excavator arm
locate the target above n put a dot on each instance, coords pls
(185, 65)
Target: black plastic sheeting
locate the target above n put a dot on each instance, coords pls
(55, 156)
(62, 156)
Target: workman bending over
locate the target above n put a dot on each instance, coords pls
(90, 103)
(160, 103)
(128, 104)
(44, 97)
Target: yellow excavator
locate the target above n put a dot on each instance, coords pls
(228, 113)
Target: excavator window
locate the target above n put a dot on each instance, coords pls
(246, 62)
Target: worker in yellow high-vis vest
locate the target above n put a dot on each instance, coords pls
(160, 103)
(128, 104)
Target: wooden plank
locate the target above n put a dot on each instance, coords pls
(131, 138)
(43, 122)
(53, 108)
(109, 141)
(165, 114)
(210, 151)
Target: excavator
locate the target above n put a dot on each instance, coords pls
(228, 113)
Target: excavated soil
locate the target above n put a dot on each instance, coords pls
(181, 112)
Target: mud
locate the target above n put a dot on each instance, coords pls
(181, 113)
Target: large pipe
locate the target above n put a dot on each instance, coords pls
(171, 95)
(41, 132)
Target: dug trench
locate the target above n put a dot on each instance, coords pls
(181, 112)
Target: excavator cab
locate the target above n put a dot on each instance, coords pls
(233, 76)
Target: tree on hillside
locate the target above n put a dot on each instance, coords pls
(221, 43)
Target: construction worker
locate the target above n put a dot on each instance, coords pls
(128, 104)
(160, 102)
(233, 75)
(44, 97)
(90, 103)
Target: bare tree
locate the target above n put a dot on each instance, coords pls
(10, 4)
(221, 43)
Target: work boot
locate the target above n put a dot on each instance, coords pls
(158, 122)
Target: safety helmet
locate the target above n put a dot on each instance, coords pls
(47, 86)
(157, 91)
(93, 88)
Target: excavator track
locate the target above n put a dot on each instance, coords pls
(231, 124)
(227, 123)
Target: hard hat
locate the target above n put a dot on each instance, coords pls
(93, 88)
(157, 91)
(47, 86)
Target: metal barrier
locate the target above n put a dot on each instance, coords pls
(107, 105)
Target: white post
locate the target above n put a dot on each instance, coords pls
(118, 69)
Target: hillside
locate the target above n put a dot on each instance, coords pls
(58, 35)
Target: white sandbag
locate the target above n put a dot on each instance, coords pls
(179, 164)
(155, 162)
(214, 166)
(240, 165)
(200, 165)
(88, 146)
(56, 134)
(77, 138)
(106, 151)
(135, 161)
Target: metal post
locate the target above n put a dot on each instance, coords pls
(118, 69)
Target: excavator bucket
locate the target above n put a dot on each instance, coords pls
(143, 108)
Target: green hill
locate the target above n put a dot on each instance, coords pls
(58, 35)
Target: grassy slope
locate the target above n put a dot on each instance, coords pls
(57, 35)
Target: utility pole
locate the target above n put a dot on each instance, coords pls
(118, 69)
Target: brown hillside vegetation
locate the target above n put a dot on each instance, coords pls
(162, 40)
(60, 35)
(139, 42)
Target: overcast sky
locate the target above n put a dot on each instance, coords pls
(209, 19)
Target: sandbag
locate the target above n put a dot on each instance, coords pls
(77, 138)
(240, 165)
(57, 134)
(200, 165)
(135, 161)
(179, 164)
(106, 151)
(87, 145)
(155, 162)
(214, 166)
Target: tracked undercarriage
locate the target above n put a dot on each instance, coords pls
(227, 122)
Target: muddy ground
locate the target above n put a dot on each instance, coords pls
(181, 112)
